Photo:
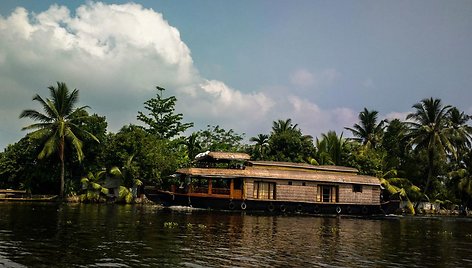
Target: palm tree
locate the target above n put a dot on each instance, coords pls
(401, 189)
(368, 131)
(330, 148)
(280, 126)
(128, 189)
(93, 189)
(395, 144)
(262, 142)
(287, 143)
(430, 131)
(193, 145)
(58, 125)
(460, 131)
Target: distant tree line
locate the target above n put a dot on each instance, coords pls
(70, 152)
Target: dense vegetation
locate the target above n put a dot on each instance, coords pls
(427, 157)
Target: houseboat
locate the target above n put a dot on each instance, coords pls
(231, 181)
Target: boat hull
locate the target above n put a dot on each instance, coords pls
(169, 199)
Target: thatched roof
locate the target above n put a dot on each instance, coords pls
(276, 170)
(281, 174)
(304, 166)
(222, 156)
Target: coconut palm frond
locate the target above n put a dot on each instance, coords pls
(55, 125)
(115, 171)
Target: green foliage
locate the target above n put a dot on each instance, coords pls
(261, 147)
(125, 195)
(401, 189)
(92, 187)
(76, 169)
(153, 159)
(127, 174)
(287, 143)
(162, 120)
(459, 180)
(21, 169)
(215, 138)
(432, 150)
(97, 126)
(465, 184)
(170, 225)
(368, 131)
(395, 144)
(460, 132)
(192, 145)
(330, 150)
(367, 160)
(430, 131)
(58, 125)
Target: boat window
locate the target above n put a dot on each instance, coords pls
(221, 186)
(289, 182)
(357, 188)
(238, 184)
(221, 183)
(264, 190)
(199, 185)
(303, 183)
(327, 194)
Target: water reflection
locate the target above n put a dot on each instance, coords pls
(79, 235)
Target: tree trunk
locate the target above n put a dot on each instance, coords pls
(62, 179)
(430, 175)
(430, 170)
(61, 156)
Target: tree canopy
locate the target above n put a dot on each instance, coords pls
(58, 125)
(426, 157)
(162, 120)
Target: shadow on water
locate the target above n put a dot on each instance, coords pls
(85, 235)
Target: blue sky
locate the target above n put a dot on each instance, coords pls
(239, 64)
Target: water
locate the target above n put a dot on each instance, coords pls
(79, 235)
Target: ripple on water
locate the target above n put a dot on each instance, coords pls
(133, 236)
(110, 263)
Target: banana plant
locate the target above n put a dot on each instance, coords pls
(402, 189)
(127, 191)
(93, 189)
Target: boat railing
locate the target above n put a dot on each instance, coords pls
(200, 190)
(204, 190)
(222, 191)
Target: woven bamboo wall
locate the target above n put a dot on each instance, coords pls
(309, 192)
(296, 192)
(376, 195)
(367, 196)
(248, 189)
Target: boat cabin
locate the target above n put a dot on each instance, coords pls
(232, 181)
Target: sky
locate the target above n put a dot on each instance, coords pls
(237, 64)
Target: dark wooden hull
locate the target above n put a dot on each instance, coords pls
(272, 206)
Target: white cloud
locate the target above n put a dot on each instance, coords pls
(304, 78)
(397, 115)
(116, 54)
(469, 111)
(219, 104)
(368, 83)
(314, 120)
(226, 99)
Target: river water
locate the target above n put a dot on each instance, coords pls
(86, 235)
